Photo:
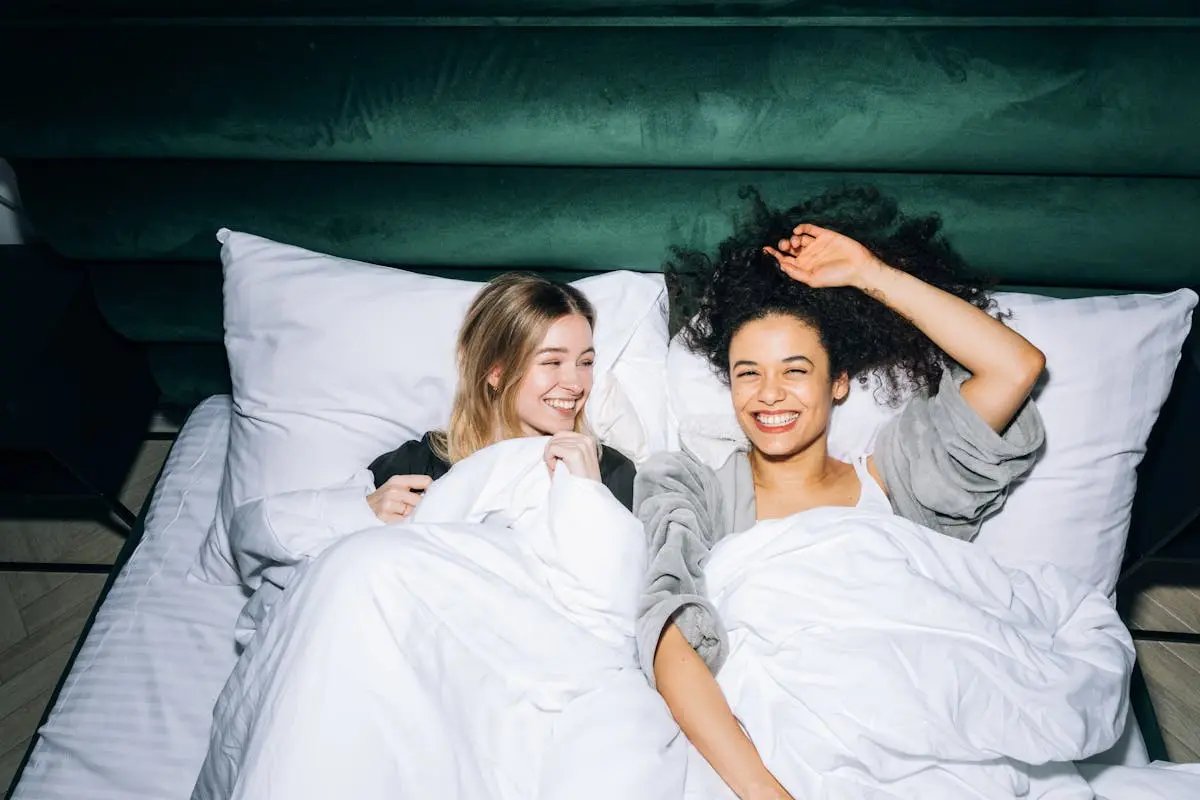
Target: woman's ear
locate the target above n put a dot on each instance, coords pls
(841, 388)
(493, 378)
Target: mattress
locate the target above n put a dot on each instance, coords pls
(132, 719)
(133, 715)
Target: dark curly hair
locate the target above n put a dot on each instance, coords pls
(712, 300)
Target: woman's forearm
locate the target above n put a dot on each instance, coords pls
(1003, 364)
(699, 707)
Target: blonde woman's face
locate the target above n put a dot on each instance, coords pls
(559, 378)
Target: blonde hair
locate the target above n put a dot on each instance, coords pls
(505, 324)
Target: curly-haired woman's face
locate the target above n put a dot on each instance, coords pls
(782, 391)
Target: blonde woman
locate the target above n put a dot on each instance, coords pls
(525, 360)
(525, 357)
(373, 654)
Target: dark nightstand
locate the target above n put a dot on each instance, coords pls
(75, 398)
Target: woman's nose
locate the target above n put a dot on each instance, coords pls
(769, 391)
(570, 379)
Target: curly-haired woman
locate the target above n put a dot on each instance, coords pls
(796, 305)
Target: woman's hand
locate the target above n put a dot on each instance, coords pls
(395, 500)
(577, 451)
(823, 258)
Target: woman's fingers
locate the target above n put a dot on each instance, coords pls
(807, 229)
(792, 265)
(575, 450)
(399, 502)
(778, 256)
(552, 453)
(410, 482)
(398, 496)
(562, 449)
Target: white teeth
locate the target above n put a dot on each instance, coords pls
(776, 419)
(566, 405)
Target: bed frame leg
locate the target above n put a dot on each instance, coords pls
(1143, 713)
(1170, 637)
(121, 512)
(54, 566)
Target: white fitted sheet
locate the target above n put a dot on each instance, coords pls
(133, 717)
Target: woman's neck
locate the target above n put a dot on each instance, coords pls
(808, 469)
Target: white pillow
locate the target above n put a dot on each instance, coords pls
(334, 362)
(1110, 362)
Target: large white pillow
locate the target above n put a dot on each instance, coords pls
(1110, 362)
(334, 362)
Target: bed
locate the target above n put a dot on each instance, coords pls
(574, 139)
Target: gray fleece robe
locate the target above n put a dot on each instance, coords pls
(943, 467)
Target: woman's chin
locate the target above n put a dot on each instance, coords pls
(549, 427)
(775, 446)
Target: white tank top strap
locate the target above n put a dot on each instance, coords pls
(872, 496)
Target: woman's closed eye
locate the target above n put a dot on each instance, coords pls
(749, 373)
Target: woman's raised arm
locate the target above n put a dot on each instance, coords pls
(1004, 365)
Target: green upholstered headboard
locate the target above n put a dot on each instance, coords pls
(466, 137)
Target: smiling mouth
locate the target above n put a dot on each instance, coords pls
(561, 405)
(775, 421)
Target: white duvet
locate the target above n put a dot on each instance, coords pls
(485, 650)
(873, 658)
(482, 650)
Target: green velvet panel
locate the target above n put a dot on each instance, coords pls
(188, 373)
(1098, 101)
(273, 9)
(181, 301)
(1064, 231)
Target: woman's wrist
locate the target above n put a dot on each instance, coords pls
(765, 789)
(872, 276)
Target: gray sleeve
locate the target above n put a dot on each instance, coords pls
(678, 500)
(944, 467)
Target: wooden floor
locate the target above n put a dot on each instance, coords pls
(1172, 670)
(41, 616)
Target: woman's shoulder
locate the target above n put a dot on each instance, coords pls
(676, 471)
(414, 457)
(671, 482)
(612, 460)
(675, 462)
(617, 472)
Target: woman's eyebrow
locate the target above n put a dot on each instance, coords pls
(563, 350)
(788, 360)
